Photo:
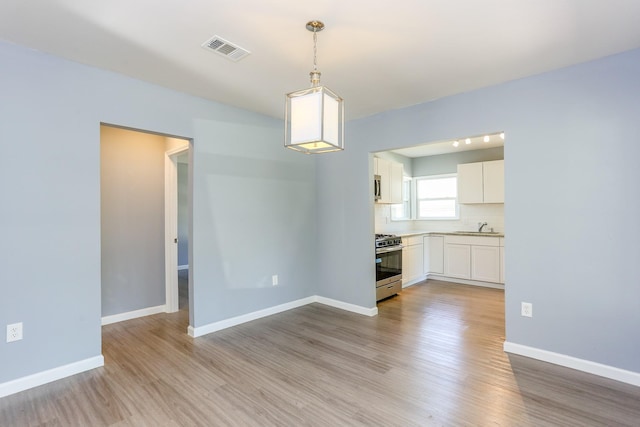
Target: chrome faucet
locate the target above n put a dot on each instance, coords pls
(481, 225)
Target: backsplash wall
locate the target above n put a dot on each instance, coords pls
(470, 216)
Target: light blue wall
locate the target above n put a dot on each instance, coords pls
(571, 202)
(50, 118)
(254, 216)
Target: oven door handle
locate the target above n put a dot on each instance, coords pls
(389, 249)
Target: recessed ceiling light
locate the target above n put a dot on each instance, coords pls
(456, 143)
(486, 138)
(467, 141)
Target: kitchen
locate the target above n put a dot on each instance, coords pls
(439, 214)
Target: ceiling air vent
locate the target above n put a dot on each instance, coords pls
(226, 49)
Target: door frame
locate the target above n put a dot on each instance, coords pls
(171, 227)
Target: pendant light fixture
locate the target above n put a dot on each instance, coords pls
(314, 117)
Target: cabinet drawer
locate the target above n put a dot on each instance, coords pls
(412, 240)
(472, 240)
(388, 290)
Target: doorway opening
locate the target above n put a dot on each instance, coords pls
(445, 187)
(144, 187)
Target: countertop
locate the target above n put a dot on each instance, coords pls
(449, 233)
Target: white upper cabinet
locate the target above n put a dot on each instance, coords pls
(395, 182)
(470, 183)
(493, 181)
(481, 182)
(390, 180)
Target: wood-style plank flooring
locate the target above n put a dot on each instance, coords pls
(432, 357)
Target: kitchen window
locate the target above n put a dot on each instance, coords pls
(436, 197)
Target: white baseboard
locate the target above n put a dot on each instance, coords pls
(466, 281)
(106, 320)
(594, 368)
(414, 282)
(183, 267)
(347, 307)
(45, 377)
(35, 380)
(233, 321)
(227, 323)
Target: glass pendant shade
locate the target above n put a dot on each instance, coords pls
(314, 121)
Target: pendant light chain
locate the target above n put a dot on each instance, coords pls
(315, 49)
(315, 26)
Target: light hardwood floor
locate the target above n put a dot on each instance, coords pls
(432, 357)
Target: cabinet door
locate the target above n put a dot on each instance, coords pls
(395, 182)
(493, 178)
(457, 261)
(470, 183)
(485, 263)
(434, 254)
(412, 269)
(501, 264)
(384, 170)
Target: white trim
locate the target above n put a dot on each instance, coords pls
(171, 229)
(178, 150)
(44, 377)
(465, 281)
(114, 318)
(183, 267)
(171, 226)
(233, 321)
(594, 368)
(414, 281)
(347, 307)
(238, 320)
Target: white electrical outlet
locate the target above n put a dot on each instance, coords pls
(526, 309)
(274, 280)
(14, 332)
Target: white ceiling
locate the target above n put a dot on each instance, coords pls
(377, 55)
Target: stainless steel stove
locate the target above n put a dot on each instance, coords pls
(388, 265)
(386, 240)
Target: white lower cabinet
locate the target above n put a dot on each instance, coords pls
(433, 254)
(474, 258)
(502, 260)
(412, 259)
(479, 258)
(485, 263)
(457, 261)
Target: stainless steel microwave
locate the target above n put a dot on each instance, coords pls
(376, 188)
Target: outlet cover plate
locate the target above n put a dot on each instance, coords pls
(14, 332)
(526, 309)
